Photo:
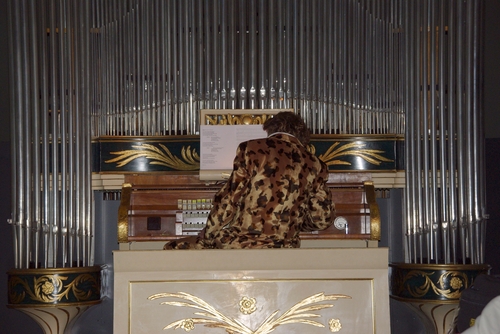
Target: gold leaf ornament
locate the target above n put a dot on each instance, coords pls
(48, 288)
(330, 157)
(187, 325)
(456, 282)
(230, 119)
(303, 312)
(335, 325)
(51, 288)
(248, 305)
(14, 297)
(159, 155)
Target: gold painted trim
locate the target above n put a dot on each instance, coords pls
(123, 210)
(183, 138)
(253, 280)
(448, 267)
(425, 301)
(375, 232)
(58, 305)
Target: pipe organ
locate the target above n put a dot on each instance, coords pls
(397, 60)
(162, 61)
(119, 69)
(103, 90)
(444, 150)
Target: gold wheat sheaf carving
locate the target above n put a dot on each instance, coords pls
(455, 279)
(302, 312)
(51, 288)
(330, 157)
(159, 156)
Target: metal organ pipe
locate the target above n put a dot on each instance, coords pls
(444, 178)
(450, 134)
(98, 68)
(17, 161)
(46, 113)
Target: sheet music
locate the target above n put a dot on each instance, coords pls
(218, 143)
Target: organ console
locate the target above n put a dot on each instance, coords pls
(162, 207)
(244, 291)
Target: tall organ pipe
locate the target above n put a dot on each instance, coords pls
(444, 178)
(244, 55)
(49, 40)
(111, 68)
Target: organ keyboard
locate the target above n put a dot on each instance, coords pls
(159, 208)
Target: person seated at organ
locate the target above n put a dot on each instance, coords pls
(276, 190)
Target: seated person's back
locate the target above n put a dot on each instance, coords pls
(276, 190)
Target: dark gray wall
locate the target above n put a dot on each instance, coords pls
(492, 129)
(492, 66)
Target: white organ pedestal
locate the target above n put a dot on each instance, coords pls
(250, 291)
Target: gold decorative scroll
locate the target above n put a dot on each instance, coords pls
(237, 116)
(52, 289)
(160, 156)
(456, 280)
(303, 312)
(330, 157)
(230, 119)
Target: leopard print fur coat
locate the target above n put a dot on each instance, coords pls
(276, 190)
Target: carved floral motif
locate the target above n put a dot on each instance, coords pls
(187, 325)
(248, 305)
(335, 325)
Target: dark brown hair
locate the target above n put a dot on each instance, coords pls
(288, 122)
